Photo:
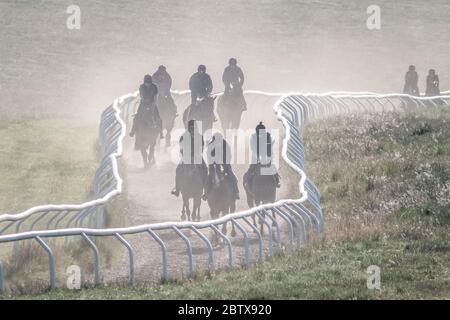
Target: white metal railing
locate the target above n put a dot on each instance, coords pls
(302, 216)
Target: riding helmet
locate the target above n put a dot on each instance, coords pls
(148, 78)
(260, 126)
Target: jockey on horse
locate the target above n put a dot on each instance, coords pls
(166, 105)
(219, 155)
(432, 84)
(411, 82)
(200, 84)
(147, 122)
(163, 81)
(261, 154)
(148, 92)
(233, 79)
(191, 149)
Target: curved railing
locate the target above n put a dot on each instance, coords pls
(107, 182)
(301, 216)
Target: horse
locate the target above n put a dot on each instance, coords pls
(259, 189)
(168, 112)
(220, 198)
(191, 187)
(146, 129)
(230, 107)
(202, 111)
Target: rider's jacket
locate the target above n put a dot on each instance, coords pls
(433, 86)
(163, 81)
(200, 84)
(411, 83)
(218, 152)
(233, 76)
(148, 94)
(191, 147)
(261, 146)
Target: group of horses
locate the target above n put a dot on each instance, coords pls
(221, 196)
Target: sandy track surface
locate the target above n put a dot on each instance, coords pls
(149, 201)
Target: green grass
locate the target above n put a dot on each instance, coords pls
(45, 161)
(42, 161)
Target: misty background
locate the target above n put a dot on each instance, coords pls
(282, 45)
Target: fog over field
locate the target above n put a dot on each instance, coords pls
(282, 45)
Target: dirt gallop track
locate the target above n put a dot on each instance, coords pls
(149, 199)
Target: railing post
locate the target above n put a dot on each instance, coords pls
(2, 285)
(189, 249)
(246, 245)
(163, 251)
(51, 259)
(227, 240)
(96, 258)
(130, 255)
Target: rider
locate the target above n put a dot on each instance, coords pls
(220, 158)
(200, 84)
(191, 140)
(148, 92)
(233, 77)
(261, 156)
(432, 84)
(163, 81)
(411, 82)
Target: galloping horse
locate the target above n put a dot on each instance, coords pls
(202, 111)
(168, 112)
(221, 199)
(146, 129)
(192, 183)
(260, 189)
(230, 107)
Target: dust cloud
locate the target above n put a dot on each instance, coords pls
(282, 45)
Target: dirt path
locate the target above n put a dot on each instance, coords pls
(149, 201)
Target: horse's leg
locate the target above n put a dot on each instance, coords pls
(233, 229)
(188, 209)
(183, 210)
(224, 226)
(168, 136)
(144, 157)
(215, 238)
(151, 154)
(196, 211)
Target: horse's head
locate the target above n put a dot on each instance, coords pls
(217, 176)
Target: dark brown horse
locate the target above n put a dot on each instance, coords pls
(168, 112)
(221, 198)
(260, 189)
(146, 129)
(230, 107)
(203, 112)
(192, 182)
